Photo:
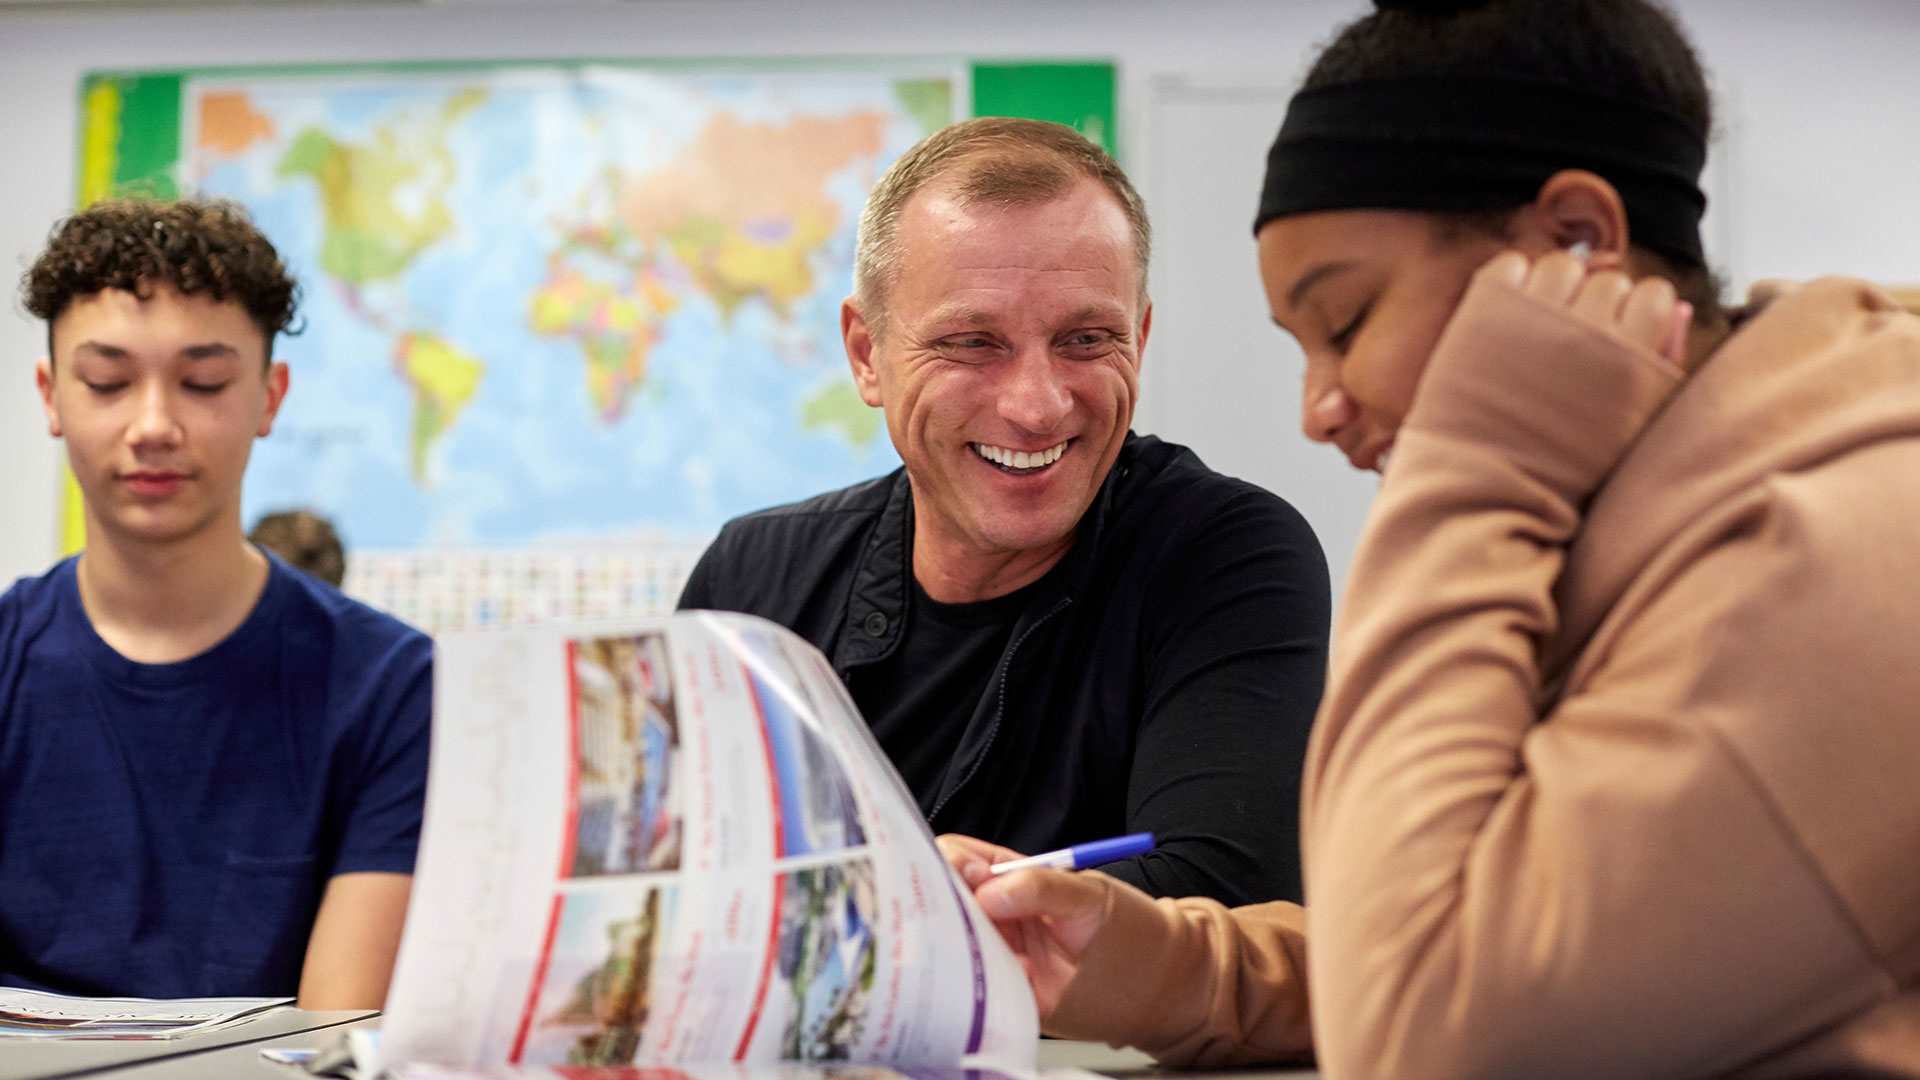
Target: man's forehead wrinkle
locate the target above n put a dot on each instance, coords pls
(961, 314)
(962, 264)
(947, 213)
(1039, 266)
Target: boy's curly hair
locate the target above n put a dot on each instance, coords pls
(195, 246)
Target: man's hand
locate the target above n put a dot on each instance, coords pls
(1048, 917)
(1646, 312)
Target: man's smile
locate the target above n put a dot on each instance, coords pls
(1020, 462)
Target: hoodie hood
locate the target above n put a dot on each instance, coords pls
(1822, 371)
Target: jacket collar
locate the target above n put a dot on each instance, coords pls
(877, 602)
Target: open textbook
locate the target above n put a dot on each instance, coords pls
(32, 1014)
(674, 842)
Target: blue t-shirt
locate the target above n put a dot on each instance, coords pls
(166, 830)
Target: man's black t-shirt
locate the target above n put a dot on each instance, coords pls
(1162, 678)
(918, 700)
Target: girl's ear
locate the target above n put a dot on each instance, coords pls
(1583, 208)
(1575, 207)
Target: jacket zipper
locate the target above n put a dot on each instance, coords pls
(1000, 707)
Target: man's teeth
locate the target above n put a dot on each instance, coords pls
(1019, 459)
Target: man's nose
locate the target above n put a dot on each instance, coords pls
(156, 422)
(1324, 411)
(1035, 396)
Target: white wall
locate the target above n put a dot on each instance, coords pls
(1825, 147)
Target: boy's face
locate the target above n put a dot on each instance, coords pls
(159, 401)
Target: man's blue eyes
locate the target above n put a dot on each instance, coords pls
(1076, 341)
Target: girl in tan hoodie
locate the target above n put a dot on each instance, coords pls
(1615, 774)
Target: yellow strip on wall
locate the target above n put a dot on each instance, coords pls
(98, 159)
(102, 147)
(73, 513)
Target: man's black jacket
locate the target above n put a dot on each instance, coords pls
(1165, 680)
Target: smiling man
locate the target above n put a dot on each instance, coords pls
(211, 765)
(1058, 630)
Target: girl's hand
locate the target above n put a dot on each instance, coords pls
(1048, 917)
(1646, 312)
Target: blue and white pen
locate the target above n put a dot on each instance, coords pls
(1082, 856)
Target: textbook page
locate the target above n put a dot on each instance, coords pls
(675, 841)
(33, 1014)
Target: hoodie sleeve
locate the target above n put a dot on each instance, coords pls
(1191, 982)
(1620, 889)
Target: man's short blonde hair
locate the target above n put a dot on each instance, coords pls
(992, 159)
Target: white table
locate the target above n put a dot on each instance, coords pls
(1103, 1059)
(243, 1061)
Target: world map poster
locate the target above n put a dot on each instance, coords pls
(547, 303)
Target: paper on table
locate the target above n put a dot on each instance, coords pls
(765, 1071)
(33, 1014)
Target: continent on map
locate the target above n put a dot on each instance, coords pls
(544, 298)
(839, 408)
(741, 213)
(615, 325)
(746, 206)
(383, 201)
(928, 101)
(229, 123)
(443, 380)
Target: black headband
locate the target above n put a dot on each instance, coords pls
(1465, 144)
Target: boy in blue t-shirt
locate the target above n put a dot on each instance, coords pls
(212, 767)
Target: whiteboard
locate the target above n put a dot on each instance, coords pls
(1219, 376)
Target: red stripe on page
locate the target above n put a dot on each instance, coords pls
(773, 770)
(779, 883)
(766, 970)
(539, 976)
(568, 842)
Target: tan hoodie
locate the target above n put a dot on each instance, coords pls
(1616, 780)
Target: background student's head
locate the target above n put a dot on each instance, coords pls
(1428, 137)
(307, 541)
(161, 318)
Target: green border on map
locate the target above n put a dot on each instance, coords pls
(1079, 95)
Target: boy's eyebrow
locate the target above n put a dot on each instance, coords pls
(207, 350)
(103, 350)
